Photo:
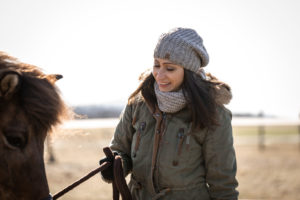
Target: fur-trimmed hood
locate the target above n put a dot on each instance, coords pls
(223, 93)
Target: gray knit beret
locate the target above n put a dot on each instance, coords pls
(182, 46)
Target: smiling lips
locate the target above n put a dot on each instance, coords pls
(163, 84)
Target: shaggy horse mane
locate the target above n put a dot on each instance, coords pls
(37, 95)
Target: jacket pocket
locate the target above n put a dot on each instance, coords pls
(180, 137)
(141, 128)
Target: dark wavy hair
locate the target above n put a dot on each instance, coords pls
(199, 93)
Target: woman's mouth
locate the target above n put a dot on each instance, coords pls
(163, 85)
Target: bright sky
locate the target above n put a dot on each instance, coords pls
(101, 47)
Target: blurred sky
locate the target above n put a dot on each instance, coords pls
(101, 46)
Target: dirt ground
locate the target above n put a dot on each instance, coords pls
(272, 173)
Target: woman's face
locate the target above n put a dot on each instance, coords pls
(167, 75)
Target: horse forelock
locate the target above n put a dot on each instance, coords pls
(41, 102)
(37, 96)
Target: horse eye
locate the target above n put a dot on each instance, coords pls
(15, 140)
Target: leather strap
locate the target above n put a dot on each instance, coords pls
(119, 182)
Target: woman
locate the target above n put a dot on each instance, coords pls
(175, 135)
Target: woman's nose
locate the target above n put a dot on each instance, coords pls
(160, 74)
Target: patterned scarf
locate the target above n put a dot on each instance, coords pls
(169, 102)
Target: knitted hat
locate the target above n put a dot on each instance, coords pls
(183, 47)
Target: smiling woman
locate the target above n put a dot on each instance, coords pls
(175, 135)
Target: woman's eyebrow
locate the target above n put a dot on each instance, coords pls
(168, 63)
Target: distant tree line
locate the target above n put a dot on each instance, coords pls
(260, 114)
(245, 115)
(97, 111)
(109, 111)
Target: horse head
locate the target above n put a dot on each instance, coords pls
(30, 105)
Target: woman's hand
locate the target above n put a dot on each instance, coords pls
(107, 174)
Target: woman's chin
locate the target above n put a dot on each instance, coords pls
(164, 89)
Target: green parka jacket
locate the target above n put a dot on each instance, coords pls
(169, 161)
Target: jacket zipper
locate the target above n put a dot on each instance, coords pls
(160, 133)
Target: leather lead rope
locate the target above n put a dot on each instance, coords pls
(119, 182)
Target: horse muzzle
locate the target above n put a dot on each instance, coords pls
(48, 198)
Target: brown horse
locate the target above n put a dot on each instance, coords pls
(30, 105)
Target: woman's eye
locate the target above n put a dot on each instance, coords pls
(170, 69)
(156, 66)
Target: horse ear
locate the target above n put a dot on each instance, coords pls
(52, 78)
(9, 83)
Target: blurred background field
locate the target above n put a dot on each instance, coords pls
(265, 171)
(101, 48)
